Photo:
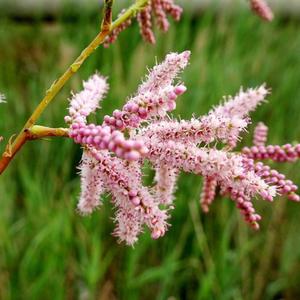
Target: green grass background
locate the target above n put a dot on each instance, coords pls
(48, 251)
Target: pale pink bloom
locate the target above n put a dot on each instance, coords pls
(171, 8)
(155, 97)
(260, 134)
(144, 19)
(262, 9)
(227, 168)
(285, 153)
(114, 164)
(158, 9)
(273, 177)
(143, 107)
(162, 75)
(208, 129)
(105, 138)
(245, 206)
(208, 193)
(88, 100)
(243, 103)
(91, 184)
(160, 14)
(165, 179)
(134, 203)
(128, 221)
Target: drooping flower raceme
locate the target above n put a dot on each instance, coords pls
(155, 9)
(88, 100)
(158, 9)
(260, 134)
(156, 12)
(262, 9)
(115, 151)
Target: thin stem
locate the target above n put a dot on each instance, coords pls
(106, 28)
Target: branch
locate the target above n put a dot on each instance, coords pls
(106, 28)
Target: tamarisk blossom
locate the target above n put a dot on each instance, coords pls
(283, 185)
(155, 97)
(262, 9)
(208, 193)
(144, 19)
(101, 137)
(285, 153)
(135, 206)
(113, 163)
(243, 103)
(224, 166)
(88, 100)
(158, 9)
(239, 107)
(260, 134)
(224, 123)
(165, 179)
(92, 185)
(102, 171)
(204, 130)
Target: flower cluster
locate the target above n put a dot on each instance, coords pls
(260, 134)
(158, 9)
(115, 151)
(285, 153)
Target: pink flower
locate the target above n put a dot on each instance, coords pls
(159, 9)
(135, 205)
(262, 9)
(144, 19)
(91, 184)
(243, 103)
(104, 138)
(116, 151)
(165, 178)
(155, 97)
(227, 168)
(163, 74)
(260, 134)
(285, 153)
(88, 100)
(208, 193)
(206, 130)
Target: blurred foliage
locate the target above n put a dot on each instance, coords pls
(48, 251)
